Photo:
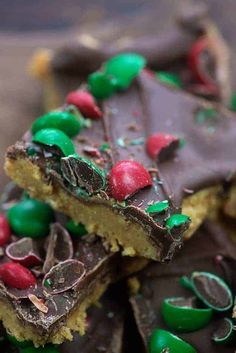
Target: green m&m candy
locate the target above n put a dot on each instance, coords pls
(30, 218)
(210, 289)
(124, 68)
(162, 341)
(54, 137)
(77, 229)
(100, 85)
(64, 121)
(181, 314)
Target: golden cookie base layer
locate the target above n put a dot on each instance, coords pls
(115, 228)
(76, 321)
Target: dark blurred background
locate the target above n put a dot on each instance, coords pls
(26, 25)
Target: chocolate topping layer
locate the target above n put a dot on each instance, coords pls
(201, 253)
(205, 158)
(91, 260)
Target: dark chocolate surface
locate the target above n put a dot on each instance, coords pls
(206, 158)
(159, 282)
(99, 265)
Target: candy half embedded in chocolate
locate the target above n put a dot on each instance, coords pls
(25, 251)
(81, 172)
(211, 289)
(126, 178)
(183, 314)
(64, 276)
(225, 333)
(162, 146)
(59, 247)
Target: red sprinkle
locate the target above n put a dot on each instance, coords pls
(5, 231)
(15, 275)
(86, 104)
(195, 64)
(157, 142)
(126, 178)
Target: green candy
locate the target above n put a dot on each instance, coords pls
(77, 229)
(30, 218)
(63, 121)
(181, 316)
(207, 287)
(20, 344)
(100, 85)
(177, 220)
(163, 341)
(54, 137)
(124, 68)
(169, 78)
(49, 348)
(157, 207)
(225, 334)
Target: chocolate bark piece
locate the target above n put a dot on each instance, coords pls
(156, 34)
(104, 331)
(56, 306)
(190, 180)
(202, 253)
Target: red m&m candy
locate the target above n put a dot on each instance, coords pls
(161, 145)
(126, 178)
(5, 230)
(85, 102)
(15, 275)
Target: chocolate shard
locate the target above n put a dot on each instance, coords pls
(26, 251)
(64, 276)
(81, 172)
(59, 247)
(154, 281)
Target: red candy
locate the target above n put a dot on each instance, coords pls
(126, 178)
(5, 231)
(15, 275)
(85, 102)
(197, 67)
(157, 142)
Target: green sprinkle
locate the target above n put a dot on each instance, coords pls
(77, 229)
(169, 78)
(104, 147)
(47, 283)
(157, 207)
(100, 85)
(204, 115)
(177, 220)
(137, 141)
(31, 151)
(121, 142)
(124, 68)
(54, 137)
